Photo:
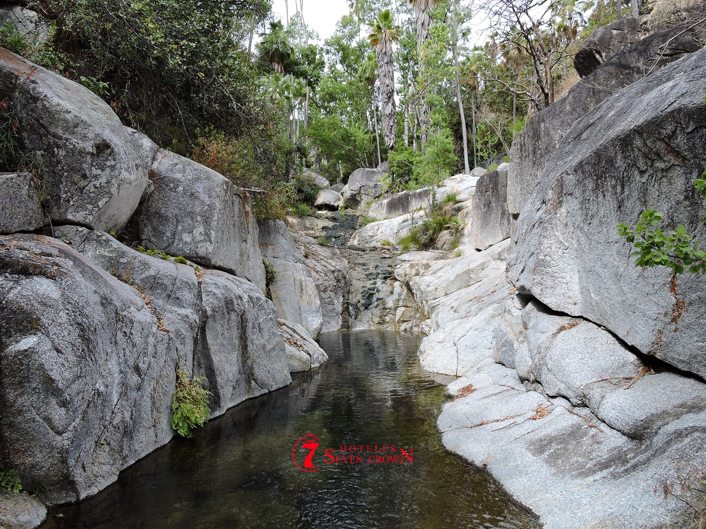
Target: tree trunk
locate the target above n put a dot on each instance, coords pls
(464, 132)
(635, 9)
(386, 74)
(421, 11)
(377, 136)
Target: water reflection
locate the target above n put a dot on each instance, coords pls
(237, 471)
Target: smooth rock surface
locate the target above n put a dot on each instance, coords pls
(20, 209)
(387, 231)
(537, 142)
(605, 42)
(303, 353)
(88, 361)
(643, 148)
(461, 185)
(94, 169)
(315, 179)
(401, 204)
(19, 511)
(328, 199)
(294, 291)
(196, 213)
(363, 186)
(490, 219)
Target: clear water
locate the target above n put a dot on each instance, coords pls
(237, 471)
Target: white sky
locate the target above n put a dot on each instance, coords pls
(319, 15)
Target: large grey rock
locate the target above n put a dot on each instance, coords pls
(315, 179)
(643, 148)
(20, 209)
(561, 462)
(363, 186)
(94, 169)
(534, 146)
(386, 231)
(87, 377)
(172, 288)
(461, 185)
(490, 219)
(401, 204)
(303, 353)
(18, 511)
(652, 402)
(238, 349)
(196, 213)
(330, 272)
(575, 359)
(27, 22)
(88, 360)
(294, 291)
(328, 199)
(605, 42)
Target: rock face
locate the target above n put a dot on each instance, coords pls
(544, 131)
(303, 353)
(363, 186)
(18, 511)
(94, 168)
(88, 361)
(642, 148)
(196, 213)
(387, 231)
(463, 186)
(294, 291)
(490, 219)
(315, 179)
(605, 42)
(27, 22)
(328, 199)
(20, 209)
(401, 204)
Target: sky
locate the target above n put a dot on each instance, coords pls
(319, 15)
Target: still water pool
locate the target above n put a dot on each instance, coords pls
(237, 471)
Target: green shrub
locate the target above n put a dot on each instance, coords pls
(9, 480)
(301, 210)
(367, 220)
(189, 404)
(674, 249)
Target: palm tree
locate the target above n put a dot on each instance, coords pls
(384, 33)
(275, 47)
(422, 10)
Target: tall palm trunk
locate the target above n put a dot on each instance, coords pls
(421, 11)
(386, 74)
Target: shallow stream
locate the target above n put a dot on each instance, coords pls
(238, 470)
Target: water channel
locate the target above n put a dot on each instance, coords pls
(237, 471)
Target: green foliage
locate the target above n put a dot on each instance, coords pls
(181, 260)
(424, 235)
(449, 199)
(9, 480)
(270, 278)
(367, 220)
(302, 210)
(323, 240)
(170, 65)
(674, 249)
(42, 53)
(189, 404)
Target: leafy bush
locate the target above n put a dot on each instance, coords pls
(674, 249)
(189, 404)
(424, 235)
(172, 65)
(9, 480)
